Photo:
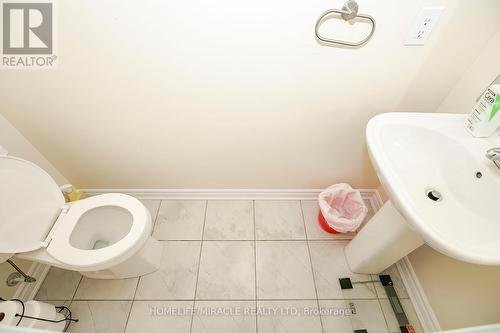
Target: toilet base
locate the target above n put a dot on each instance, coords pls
(146, 261)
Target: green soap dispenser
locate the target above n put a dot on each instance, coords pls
(484, 119)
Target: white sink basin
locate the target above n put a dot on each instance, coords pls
(417, 152)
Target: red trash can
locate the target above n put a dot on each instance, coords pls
(342, 209)
(324, 225)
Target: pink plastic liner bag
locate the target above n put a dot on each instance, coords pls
(342, 207)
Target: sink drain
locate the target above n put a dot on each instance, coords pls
(434, 195)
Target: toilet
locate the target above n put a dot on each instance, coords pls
(106, 236)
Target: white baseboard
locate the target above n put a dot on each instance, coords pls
(218, 194)
(424, 311)
(27, 291)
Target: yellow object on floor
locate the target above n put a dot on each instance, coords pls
(70, 193)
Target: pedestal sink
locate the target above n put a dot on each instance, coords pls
(443, 191)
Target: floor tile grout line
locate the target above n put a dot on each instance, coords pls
(311, 265)
(156, 218)
(132, 304)
(91, 317)
(255, 264)
(157, 213)
(218, 299)
(76, 290)
(74, 294)
(303, 221)
(199, 265)
(383, 314)
(158, 210)
(258, 240)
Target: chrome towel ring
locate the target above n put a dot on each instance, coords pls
(348, 12)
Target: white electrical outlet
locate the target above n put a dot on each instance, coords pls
(422, 28)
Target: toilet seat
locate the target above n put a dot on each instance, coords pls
(60, 248)
(103, 237)
(30, 202)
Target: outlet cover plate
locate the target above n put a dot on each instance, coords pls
(422, 28)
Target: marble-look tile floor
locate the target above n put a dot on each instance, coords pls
(234, 266)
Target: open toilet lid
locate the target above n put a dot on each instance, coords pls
(30, 202)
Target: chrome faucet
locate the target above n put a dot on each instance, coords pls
(493, 154)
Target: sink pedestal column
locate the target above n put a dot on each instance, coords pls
(383, 241)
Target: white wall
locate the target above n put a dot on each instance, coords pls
(239, 95)
(462, 294)
(17, 145)
(480, 74)
(231, 94)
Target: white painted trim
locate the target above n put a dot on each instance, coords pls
(220, 194)
(493, 328)
(424, 311)
(27, 291)
(375, 199)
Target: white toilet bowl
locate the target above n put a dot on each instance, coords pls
(105, 236)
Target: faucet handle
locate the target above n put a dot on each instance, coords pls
(493, 153)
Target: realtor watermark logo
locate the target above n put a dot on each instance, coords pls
(28, 35)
